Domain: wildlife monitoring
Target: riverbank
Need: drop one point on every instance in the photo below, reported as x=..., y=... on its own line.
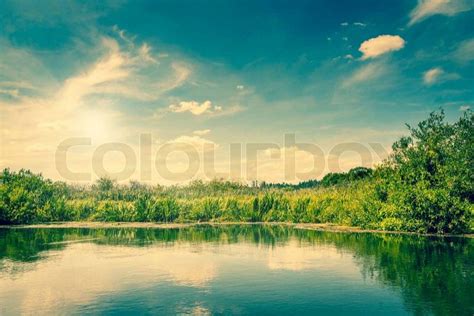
x=329, y=227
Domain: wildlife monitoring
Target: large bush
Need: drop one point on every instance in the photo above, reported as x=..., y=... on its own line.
x=28, y=198
x=429, y=178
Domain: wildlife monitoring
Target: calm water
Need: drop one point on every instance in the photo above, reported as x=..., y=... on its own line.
x=232, y=269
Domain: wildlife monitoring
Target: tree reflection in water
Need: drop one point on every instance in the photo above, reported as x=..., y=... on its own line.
x=438, y=272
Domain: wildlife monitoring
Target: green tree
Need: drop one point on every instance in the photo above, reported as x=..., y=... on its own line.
x=429, y=177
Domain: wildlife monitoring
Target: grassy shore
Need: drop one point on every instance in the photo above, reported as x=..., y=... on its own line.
x=425, y=186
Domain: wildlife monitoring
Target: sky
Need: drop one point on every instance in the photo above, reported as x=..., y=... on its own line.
x=150, y=90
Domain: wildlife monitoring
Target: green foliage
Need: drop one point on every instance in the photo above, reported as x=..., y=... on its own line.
x=105, y=184
x=426, y=185
x=429, y=178
x=354, y=174
x=28, y=198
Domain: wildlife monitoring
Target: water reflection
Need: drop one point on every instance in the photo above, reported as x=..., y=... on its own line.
x=232, y=269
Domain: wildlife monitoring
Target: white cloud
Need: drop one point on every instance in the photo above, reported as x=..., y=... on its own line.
x=344, y=24
x=191, y=106
x=436, y=75
x=195, y=107
x=380, y=45
x=202, y=132
x=240, y=87
x=198, y=109
x=427, y=8
x=464, y=108
x=432, y=75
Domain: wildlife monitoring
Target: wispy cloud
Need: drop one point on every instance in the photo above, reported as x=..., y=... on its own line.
x=199, y=109
x=17, y=85
x=111, y=69
x=365, y=73
x=126, y=72
x=14, y=93
x=465, y=51
x=427, y=8
x=197, y=142
x=182, y=72
x=23, y=70
x=88, y=103
x=228, y=110
x=355, y=24
x=144, y=53
x=202, y=132
x=432, y=75
x=380, y=45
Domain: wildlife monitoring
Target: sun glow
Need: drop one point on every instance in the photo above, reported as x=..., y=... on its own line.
x=95, y=124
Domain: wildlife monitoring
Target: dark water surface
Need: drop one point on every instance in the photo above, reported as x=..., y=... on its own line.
x=238, y=269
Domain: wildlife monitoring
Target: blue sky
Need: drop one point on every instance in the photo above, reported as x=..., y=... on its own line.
x=227, y=72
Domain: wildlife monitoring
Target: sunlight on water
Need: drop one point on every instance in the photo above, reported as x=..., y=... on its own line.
x=231, y=269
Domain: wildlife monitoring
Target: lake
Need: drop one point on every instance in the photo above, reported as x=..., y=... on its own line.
x=232, y=269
